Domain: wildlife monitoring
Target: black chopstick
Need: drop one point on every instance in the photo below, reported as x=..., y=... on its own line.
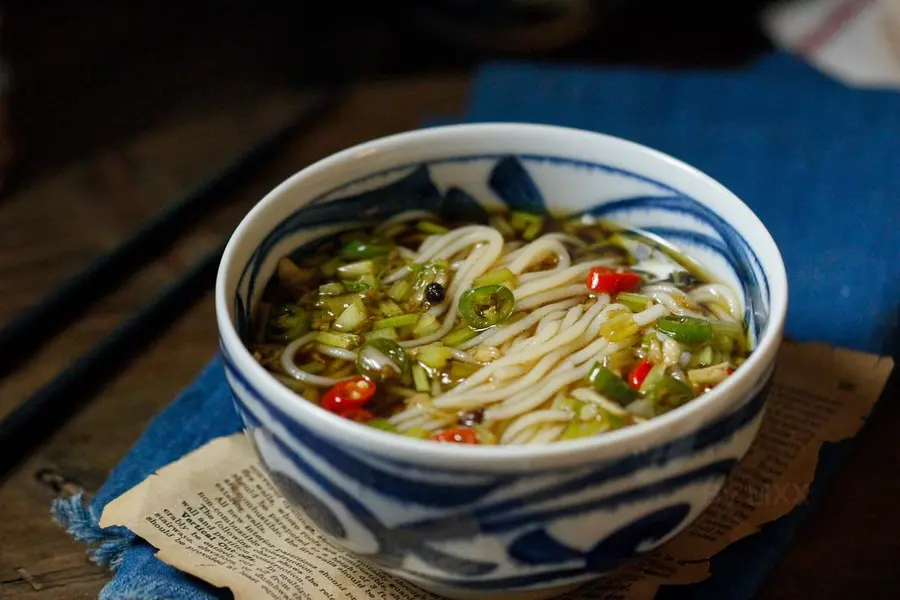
x=36, y=418
x=29, y=331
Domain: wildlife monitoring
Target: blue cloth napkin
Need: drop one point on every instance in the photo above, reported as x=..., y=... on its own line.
x=817, y=161
x=814, y=159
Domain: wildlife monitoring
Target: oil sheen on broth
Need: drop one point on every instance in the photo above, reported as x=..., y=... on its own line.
x=524, y=330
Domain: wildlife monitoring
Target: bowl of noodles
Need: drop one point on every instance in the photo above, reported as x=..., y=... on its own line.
x=500, y=360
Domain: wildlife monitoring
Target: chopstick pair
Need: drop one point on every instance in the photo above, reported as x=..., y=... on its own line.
x=30, y=422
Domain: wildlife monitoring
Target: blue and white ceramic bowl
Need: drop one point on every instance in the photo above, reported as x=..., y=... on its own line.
x=515, y=521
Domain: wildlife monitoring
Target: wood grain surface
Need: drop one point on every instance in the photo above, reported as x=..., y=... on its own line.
x=110, y=195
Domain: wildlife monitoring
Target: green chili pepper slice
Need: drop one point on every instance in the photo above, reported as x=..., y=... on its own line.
x=486, y=305
x=668, y=393
x=381, y=359
x=287, y=323
x=611, y=385
x=358, y=249
x=688, y=330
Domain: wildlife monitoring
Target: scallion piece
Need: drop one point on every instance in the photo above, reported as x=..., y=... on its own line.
x=382, y=424
x=610, y=385
x=356, y=269
x=338, y=340
x=417, y=432
x=332, y=288
x=495, y=277
x=530, y=225
x=389, y=308
x=434, y=357
x=577, y=429
x=329, y=268
x=400, y=290
x=431, y=228
x=426, y=325
x=388, y=333
x=398, y=321
x=420, y=379
x=358, y=249
x=687, y=330
x=353, y=317
x=459, y=336
x=461, y=370
x=635, y=302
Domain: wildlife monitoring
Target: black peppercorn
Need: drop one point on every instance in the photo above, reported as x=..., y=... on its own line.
x=435, y=292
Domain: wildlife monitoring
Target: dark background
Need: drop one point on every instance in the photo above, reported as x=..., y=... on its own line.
x=90, y=74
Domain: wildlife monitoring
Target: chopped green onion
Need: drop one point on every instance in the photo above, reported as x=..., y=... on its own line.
x=730, y=329
x=356, y=269
x=358, y=249
x=332, y=288
x=570, y=404
x=461, y=370
x=634, y=302
x=389, y=308
x=382, y=359
x=712, y=375
x=703, y=358
x=619, y=327
x=688, y=330
x=351, y=319
x=418, y=433
x=577, y=429
x=530, y=225
x=485, y=435
x=459, y=336
x=610, y=385
x=495, y=277
x=400, y=290
x=329, y=269
x=287, y=323
x=420, y=379
x=356, y=286
x=388, y=333
x=653, y=377
x=434, y=356
x=426, y=325
x=382, y=424
x=398, y=321
x=338, y=340
x=502, y=225
x=668, y=393
x=336, y=305
x=431, y=228
x=486, y=305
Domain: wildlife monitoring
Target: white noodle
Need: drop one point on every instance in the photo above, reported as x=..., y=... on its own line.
x=716, y=293
x=533, y=419
x=287, y=363
x=335, y=352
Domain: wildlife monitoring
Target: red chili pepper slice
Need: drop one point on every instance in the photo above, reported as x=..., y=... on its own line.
x=604, y=280
x=348, y=394
x=358, y=415
x=730, y=371
x=462, y=435
x=639, y=373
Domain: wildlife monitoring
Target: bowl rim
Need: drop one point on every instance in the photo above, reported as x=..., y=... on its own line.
x=653, y=432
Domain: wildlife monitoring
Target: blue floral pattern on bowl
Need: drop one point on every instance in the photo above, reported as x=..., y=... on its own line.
x=473, y=534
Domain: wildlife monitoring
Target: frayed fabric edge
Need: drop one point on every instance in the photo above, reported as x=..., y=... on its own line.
x=106, y=547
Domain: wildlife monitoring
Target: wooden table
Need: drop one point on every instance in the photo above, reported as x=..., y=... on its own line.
x=850, y=548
